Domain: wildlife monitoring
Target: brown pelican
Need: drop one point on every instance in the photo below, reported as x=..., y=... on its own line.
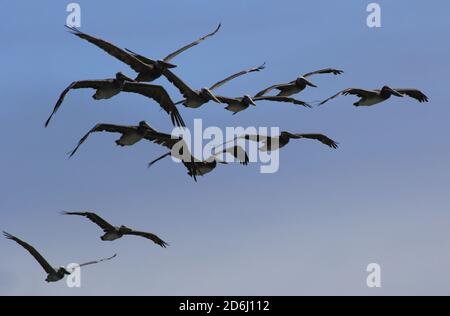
x=276, y=142
x=53, y=274
x=196, y=98
x=236, y=105
x=169, y=57
x=371, y=97
x=147, y=69
x=299, y=84
x=108, y=88
x=113, y=232
x=197, y=167
x=130, y=134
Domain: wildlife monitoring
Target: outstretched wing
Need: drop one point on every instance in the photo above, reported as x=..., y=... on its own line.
x=353, y=91
x=234, y=76
x=414, y=93
x=122, y=55
x=184, y=89
x=320, y=137
x=93, y=218
x=103, y=128
x=182, y=49
x=97, y=261
x=282, y=99
x=47, y=267
x=275, y=86
x=94, y=84
x=162, y=139
x=228, y=100
x=238, y=152
x=324, y=71
x=160, y=95
x=150, y=236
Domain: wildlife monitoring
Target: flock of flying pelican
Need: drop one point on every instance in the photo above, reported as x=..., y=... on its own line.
x=149, y=70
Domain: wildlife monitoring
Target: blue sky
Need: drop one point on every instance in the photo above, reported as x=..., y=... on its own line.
x=311, y=228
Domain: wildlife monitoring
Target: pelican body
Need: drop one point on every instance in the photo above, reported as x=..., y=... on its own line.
x=372, y=97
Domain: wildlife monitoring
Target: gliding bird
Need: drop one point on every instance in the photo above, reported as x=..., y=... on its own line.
x=299, y=84
x=115, y=232
x=371, y=97
x=108, y=88
x=53, y=274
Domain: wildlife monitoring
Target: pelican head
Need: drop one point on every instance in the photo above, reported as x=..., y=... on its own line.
x=163, y=64
x=248, y=100
x=301, y=81
x=390, y=91
x=143, y=124
x=121, y=77
x=205, y=92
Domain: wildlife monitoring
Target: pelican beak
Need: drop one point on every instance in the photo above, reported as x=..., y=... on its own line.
x=166, y=64
x=212, y=96
x=397, y=94
x=124, y=78
x=309, y=83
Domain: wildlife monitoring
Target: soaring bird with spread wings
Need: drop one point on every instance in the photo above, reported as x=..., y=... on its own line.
x=239, y=104
x=147, y=69
x=53, y=274
x=299, y=84
x=108, y=88
x=270, y=143
x=371, y=97
x=115, y=232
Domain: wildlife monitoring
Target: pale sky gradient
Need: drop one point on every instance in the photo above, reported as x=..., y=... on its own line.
x=310, y=228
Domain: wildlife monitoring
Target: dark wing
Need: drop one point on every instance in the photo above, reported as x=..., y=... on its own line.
x=162, y=139
x=275, y=86
x=320, y=137
x=182, y=49
x=144, y=59
x=238, y=74
x=413, y=93
x=93, y=218
x=122, y=55
x=238, y=152
x=353, y=91
x=184, y=89
x=47, y=267
x=227, y=100
x=160, y=95
x=324, y=71
x=97, y=261
x=94, y=84
x=150, y=236
x=103, y=128
x=282, y=99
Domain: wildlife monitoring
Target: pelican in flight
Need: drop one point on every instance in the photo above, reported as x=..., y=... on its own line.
x=271, y=143
x=130, y=134
x=371, y=97
x=147, y=69
x=239, y=104
x=115, y=232
x=299, y=84
x=107, y=88
x=196, y=98
x=198, y=167
x=53, y=274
